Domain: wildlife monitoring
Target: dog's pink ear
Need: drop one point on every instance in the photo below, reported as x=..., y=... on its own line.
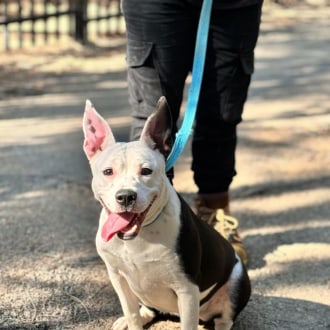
x=158, y=127
x=98, y=134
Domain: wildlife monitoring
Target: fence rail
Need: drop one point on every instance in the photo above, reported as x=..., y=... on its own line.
x=30, y=22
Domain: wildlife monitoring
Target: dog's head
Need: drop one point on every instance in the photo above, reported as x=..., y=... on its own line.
x=129, y=179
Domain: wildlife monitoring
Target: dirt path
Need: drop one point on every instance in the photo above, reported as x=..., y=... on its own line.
x=50, y=274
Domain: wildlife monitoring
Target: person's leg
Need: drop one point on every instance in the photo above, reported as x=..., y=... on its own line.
x=228, y=69
x=160, y=42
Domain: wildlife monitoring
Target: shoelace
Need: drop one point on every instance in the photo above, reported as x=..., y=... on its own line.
x=228, y=222
x=226, y=225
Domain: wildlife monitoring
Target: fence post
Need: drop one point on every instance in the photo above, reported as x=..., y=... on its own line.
x=78, y=26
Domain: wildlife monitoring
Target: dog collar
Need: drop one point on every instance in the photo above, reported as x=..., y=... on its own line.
x=153, y=221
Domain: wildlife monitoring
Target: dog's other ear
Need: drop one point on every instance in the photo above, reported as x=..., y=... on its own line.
x=98, y=134
x=158, y=127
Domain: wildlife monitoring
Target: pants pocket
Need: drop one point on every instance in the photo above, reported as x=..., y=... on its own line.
x=234, y=95
x=143, y=80
x=144, y=86
x=137, y=52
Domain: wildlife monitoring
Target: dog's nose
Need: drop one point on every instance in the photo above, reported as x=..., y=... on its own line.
x=126, y=197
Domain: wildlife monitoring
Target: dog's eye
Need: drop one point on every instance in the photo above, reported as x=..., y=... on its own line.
x=146, y=171
x=108, y=171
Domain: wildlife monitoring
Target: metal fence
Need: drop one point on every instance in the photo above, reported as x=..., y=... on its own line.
x=31, y=22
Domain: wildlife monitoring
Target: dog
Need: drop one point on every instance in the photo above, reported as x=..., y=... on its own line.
x=159, y=256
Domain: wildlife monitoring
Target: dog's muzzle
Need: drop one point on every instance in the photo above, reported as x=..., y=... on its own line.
x=126, y=224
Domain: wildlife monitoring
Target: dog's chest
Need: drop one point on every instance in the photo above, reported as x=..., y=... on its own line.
x=150, y=254
x=154, y=279
x=149, y=263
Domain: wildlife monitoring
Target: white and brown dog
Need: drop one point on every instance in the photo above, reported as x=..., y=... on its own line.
x=159, y=255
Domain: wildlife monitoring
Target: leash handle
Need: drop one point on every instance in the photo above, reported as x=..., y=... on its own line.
x=197, y=75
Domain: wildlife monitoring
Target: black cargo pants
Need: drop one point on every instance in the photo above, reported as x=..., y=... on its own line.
x=160, y=45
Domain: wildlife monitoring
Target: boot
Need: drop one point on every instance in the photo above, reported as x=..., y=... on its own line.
x=214, y=209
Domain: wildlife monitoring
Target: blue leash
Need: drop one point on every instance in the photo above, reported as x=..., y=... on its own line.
x=197, y=74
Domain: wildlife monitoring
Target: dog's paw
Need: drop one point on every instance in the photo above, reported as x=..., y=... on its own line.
x=120, y=324
x=146, y=314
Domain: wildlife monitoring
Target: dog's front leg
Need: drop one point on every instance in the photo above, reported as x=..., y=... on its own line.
x=188, y=304
x=129, y=304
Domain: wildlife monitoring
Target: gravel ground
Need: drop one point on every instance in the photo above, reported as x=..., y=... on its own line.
x=51, y=276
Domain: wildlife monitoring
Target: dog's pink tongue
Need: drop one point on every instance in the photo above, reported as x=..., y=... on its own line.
x=115, y=223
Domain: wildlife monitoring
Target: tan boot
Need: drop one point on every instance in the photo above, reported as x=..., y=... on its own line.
x=214, y=209
x=206, y=204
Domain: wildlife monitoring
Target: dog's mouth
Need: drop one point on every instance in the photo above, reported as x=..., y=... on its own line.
x=125, y=224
